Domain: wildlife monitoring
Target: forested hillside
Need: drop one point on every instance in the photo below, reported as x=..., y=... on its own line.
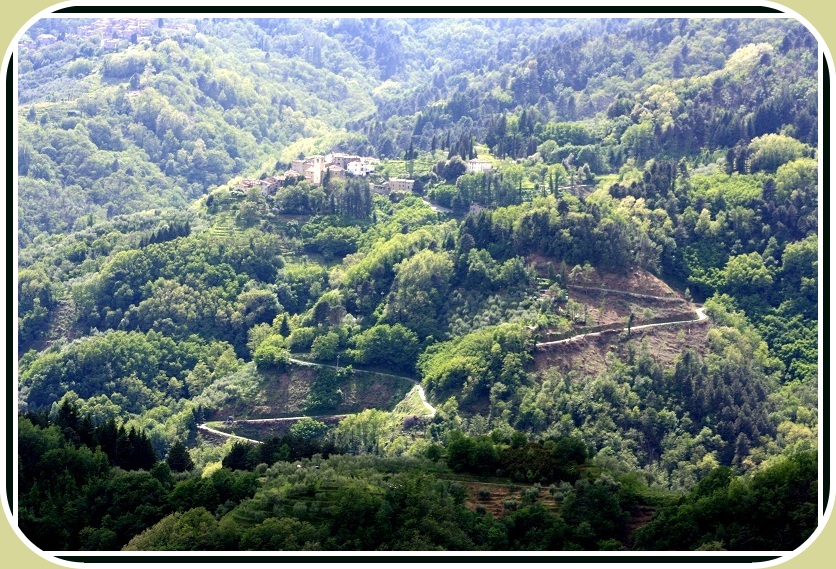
x=590, y=322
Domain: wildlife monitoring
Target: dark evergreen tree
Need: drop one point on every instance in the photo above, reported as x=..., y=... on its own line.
x=178, y=458
x=284, y=327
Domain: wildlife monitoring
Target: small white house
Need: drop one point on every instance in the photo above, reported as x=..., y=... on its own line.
x=360, y=168
x=477, y=165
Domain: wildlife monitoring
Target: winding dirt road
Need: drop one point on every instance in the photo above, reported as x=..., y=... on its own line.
x=206, y=428
x=701, y=315
x=624, y=292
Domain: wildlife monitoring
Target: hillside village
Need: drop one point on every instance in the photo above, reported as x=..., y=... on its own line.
x=111, y=33
x=316, y=169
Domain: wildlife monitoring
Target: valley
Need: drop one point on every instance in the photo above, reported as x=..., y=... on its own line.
x=413, y=284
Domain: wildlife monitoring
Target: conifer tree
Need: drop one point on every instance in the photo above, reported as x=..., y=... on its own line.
x=178, y=458
x=284, y=327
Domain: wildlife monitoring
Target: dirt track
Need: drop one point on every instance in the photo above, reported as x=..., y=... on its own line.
x=701, y=315
x=207, y=429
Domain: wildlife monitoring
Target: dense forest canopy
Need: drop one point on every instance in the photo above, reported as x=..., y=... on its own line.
x=585, y=318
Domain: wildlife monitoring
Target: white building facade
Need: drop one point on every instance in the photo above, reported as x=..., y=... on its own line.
x=476, y=165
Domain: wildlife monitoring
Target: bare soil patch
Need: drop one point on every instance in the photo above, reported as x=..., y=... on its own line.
x=591, y=355
x=637, y=281
x=605, y=308
x=369, y=390
x=286, y=394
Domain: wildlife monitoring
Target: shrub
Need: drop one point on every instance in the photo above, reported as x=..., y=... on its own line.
x=272, y=354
